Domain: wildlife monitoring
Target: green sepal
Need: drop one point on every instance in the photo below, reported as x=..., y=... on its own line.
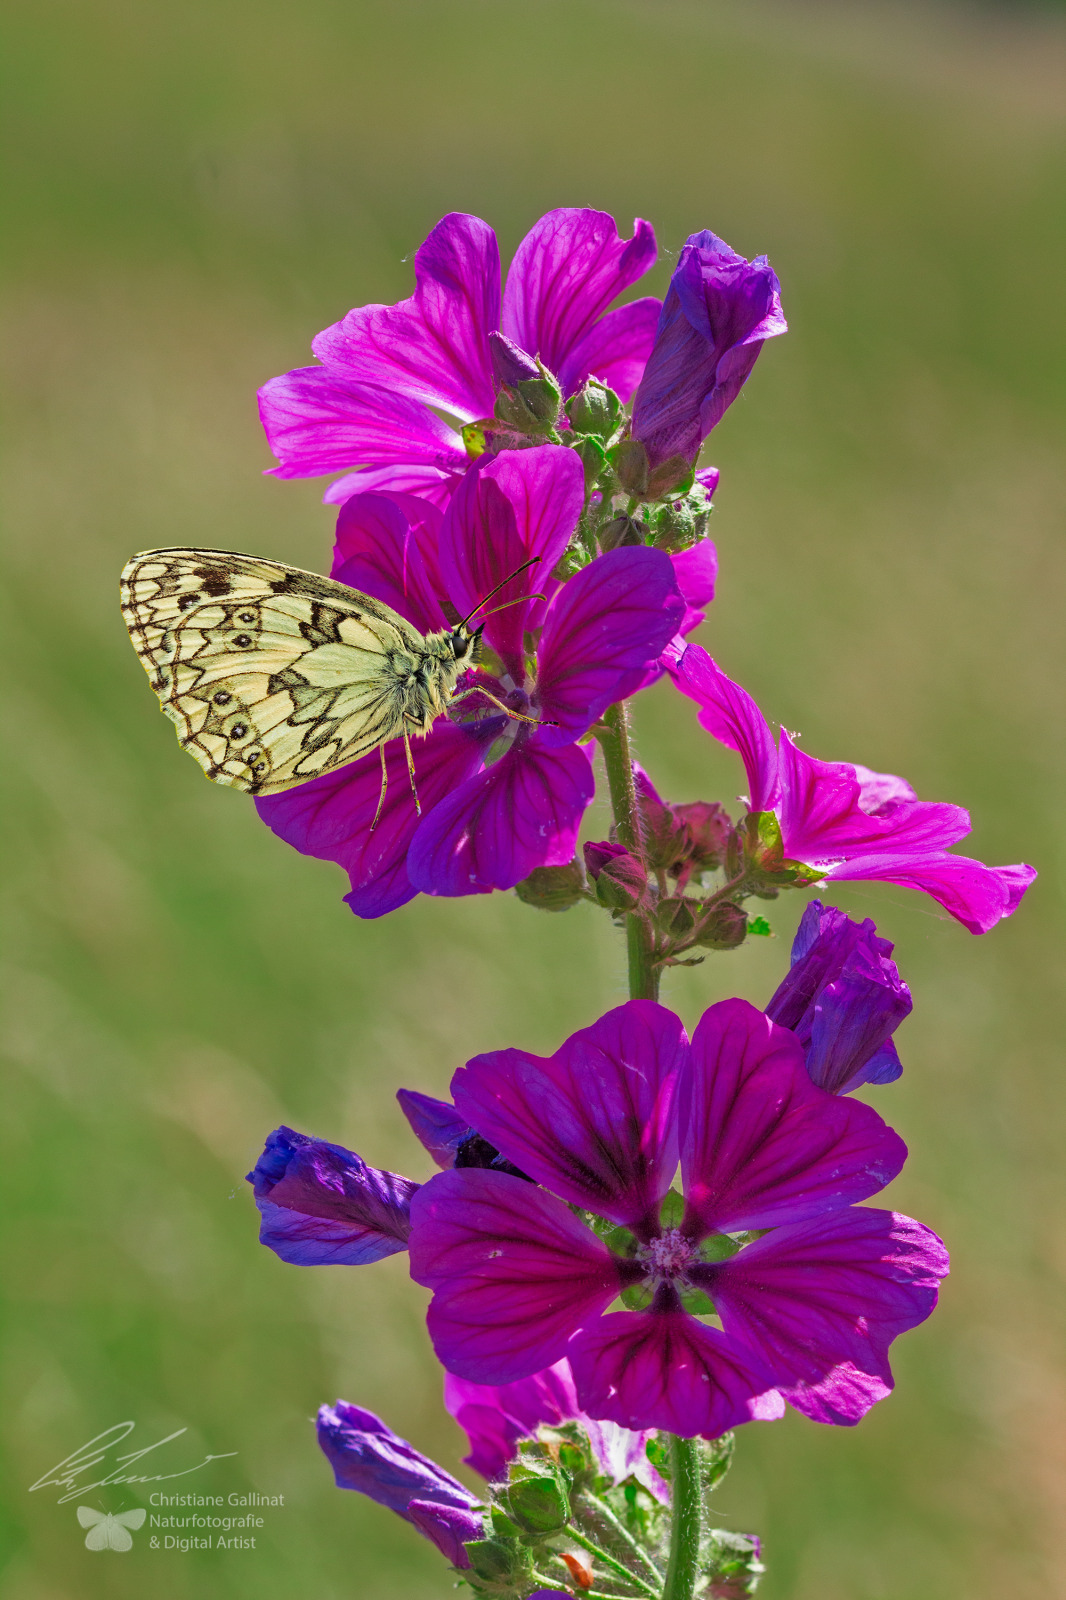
x=499, y=1563
x=672, y=1209
x=621, y=533
x=630, y=462
x=697, y=1302
x=731, y=1563
x=592, y=454
x=718, y=1247
x=716, y=1458
x=674, y=476
x=657, y=1452
x=502, y=1525
x=553, y=888
x=637, y=1297
x=723, y=927
x=539, y=1502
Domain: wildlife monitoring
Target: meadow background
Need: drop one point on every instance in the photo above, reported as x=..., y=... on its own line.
x=193, y=191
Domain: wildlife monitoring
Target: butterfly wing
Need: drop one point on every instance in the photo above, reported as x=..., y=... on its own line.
x=99, y=1526
x=117, y=1537
x=130, y=1519
x=89, y=1518
x=272, y=675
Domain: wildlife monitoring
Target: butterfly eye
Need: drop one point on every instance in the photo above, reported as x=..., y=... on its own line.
x=186, y=601
x=222, y=698
x=246, y=616
x=242, y=641
x=239, y=730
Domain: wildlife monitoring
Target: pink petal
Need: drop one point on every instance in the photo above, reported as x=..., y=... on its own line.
x=761, y=1144
x=596, y=1122
x=663, y=1369
x=491, y=831
x=330, y=817
x=696, y=572
x=317, y=420
x=495, y=1416
x=822, y=818
x=976, y=895
x=508, y=508
x=565, y=273
x=434, y=346
x=730, y=714
x=615, y=350
x=378, y=552
x=514, y=1272
x=819, y=1304
x=605, y=630
x=429, y=483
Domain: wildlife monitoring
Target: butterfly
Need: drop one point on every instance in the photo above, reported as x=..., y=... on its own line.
x=274, y=675
x=108, y=1530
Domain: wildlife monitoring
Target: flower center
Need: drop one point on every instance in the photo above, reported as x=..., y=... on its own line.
x=669, y=1255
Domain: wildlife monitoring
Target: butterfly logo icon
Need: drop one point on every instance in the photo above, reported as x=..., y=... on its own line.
x=109, y=1530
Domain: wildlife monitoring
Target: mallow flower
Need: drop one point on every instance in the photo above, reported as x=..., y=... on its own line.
x=807, y=1310
x=387, y=370
x=843, y=820
x=843, y=998
x=718, y=312
x=368, y=1457
x=496, y=797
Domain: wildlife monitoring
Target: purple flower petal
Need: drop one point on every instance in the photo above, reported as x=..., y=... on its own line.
x=428, y=483
x=491, y=831
x=842, y=998
x=696, y=573
x=565, y=273
x=323, y=1205
x=663, y=1369
x=435, y=1123
x=819, y=1304
x=731, y=716
x=367, y=1456
x=718, y=311
x=495, y=1416
x=597, y=1122
x=615, y=350
x=378, y=551
x=508, y=508
x=448, y=1527
x=434, y=346
x=760, y=1144
x=823, y=816
x=605, y=628
x=318, y=420
x=331, y=816
x=514, y=1273
x=978, y=896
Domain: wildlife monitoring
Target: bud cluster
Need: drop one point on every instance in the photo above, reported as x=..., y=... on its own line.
x=559, y=1523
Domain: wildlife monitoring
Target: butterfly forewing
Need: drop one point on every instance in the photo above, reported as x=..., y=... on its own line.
x=273, y=675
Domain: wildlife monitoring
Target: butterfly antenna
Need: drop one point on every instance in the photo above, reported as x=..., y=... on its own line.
x=502, y=585
x=518, y=602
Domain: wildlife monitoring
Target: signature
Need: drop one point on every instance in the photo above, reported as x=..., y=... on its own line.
x=69, y=1474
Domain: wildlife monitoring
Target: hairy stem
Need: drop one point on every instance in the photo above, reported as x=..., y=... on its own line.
x=608, y=1560
x=618, y=760
x=687, y=1506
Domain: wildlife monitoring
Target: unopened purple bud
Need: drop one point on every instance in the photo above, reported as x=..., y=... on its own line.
x=448, y=1527
x=435, y=1124
x=621, y=880
x=510, y=363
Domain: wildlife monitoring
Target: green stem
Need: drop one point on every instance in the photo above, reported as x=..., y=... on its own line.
x=609, y=1561
x=686, y=1498
x=618, y=760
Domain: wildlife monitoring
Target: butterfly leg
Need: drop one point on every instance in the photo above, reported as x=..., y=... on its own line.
x=516, y=716
x=384, y=788
x=411, y=763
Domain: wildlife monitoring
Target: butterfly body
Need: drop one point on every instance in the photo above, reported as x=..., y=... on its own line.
x=273, y=675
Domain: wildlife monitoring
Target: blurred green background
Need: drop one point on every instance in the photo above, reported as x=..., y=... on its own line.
x=193, y=192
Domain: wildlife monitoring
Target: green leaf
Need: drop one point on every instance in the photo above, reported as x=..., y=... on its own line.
x=760, y=928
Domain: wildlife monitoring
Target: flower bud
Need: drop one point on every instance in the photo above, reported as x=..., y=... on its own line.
x=529, y=397
x=706, y=829
x=539, y=1504
x=676, y=917
x=553, y=888
x=594, y=409
x=621, y=881
x=497, y=1563
x=732, y=1564
x=622, y=531
x=630, y=462
x=593, y=457
x=723, y=928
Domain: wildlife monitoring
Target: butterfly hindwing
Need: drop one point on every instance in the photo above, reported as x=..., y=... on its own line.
x=109, y=1530
x=271, y=675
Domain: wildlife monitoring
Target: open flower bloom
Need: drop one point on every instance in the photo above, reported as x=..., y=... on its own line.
x=496, y=1416
x=807, y=1312
x=718, y=312
x=499, y=797
x=384, y=367
x=845, y=821
x=843, y=998
x=368, y=1457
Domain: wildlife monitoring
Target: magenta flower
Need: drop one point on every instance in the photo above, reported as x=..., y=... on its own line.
x=718, y=311
x=384, y=367
x=845, y=821
x=498, y=797
x=807, y=1312
x=368, y=1457
x=496, y=1416
x=843, y=998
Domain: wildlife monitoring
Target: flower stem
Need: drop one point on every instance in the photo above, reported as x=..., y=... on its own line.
x=618, y=760
x=687, y=1507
